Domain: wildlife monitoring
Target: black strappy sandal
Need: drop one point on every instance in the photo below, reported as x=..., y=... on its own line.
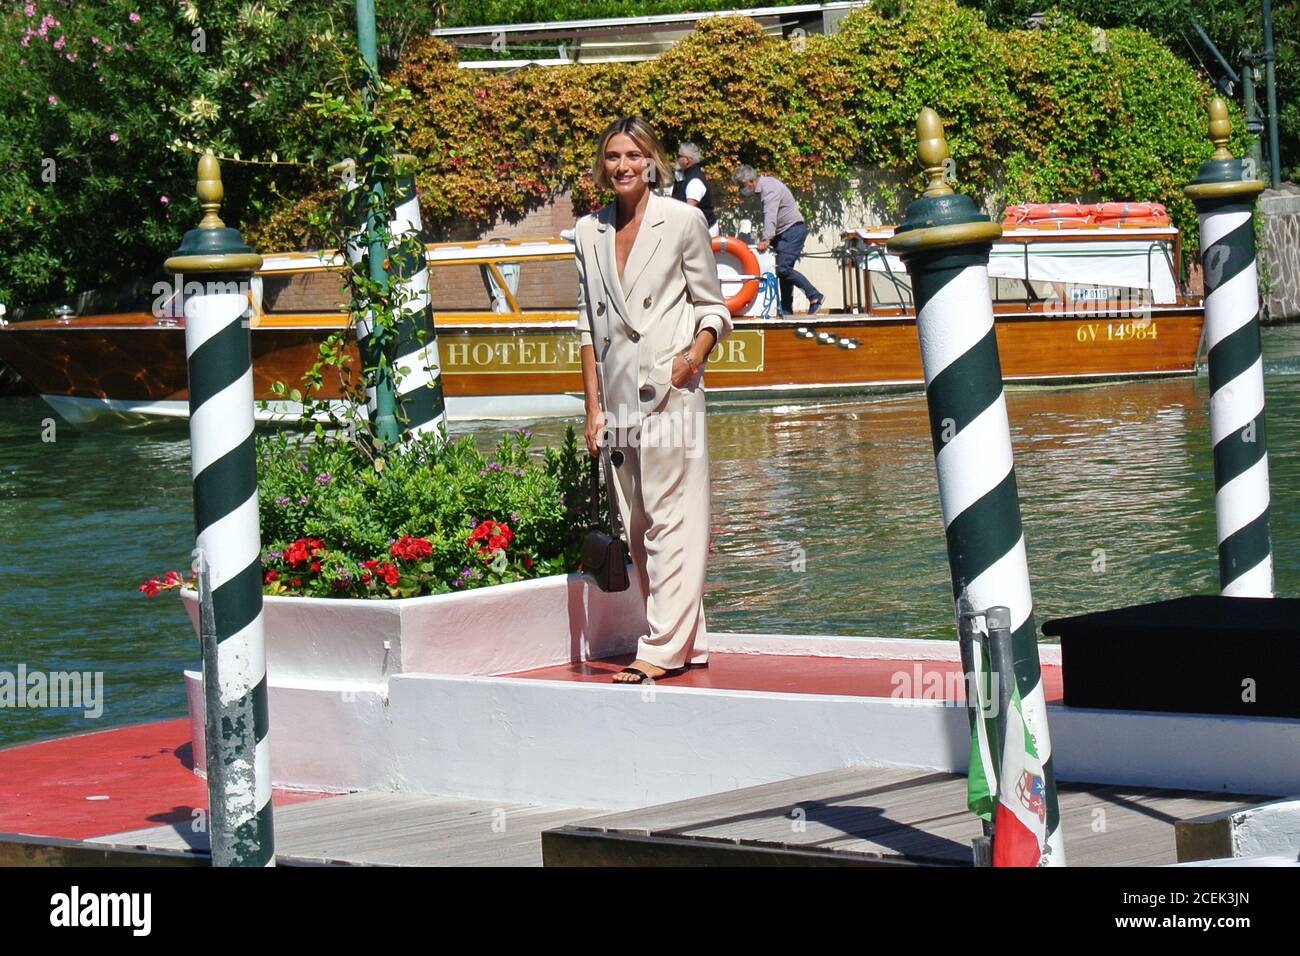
x=642, y=676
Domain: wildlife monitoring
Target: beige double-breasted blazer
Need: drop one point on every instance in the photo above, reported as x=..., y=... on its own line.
x=639, y=324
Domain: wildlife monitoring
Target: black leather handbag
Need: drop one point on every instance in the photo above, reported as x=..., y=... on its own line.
x=604, y=552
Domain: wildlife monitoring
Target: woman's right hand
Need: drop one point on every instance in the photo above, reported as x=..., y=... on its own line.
x=595, y=428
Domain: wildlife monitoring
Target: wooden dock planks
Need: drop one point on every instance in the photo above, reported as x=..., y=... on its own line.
x=877, y=815
x=393, y=829
x=858, y=816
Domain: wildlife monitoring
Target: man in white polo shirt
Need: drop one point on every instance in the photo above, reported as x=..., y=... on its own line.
x=691, y=187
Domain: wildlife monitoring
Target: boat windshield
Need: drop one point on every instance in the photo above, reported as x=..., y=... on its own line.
x=475, y=281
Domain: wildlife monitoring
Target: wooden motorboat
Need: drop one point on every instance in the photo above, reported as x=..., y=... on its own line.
x=1072, y=302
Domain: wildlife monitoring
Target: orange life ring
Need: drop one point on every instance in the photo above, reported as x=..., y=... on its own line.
x=1135, y=222
x=1129, y=210
x=739, y=302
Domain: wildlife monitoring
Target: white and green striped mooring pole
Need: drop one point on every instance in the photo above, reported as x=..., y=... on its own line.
x=419, y=387
x=1224, y=192
x=224, y=468
x=944, y=243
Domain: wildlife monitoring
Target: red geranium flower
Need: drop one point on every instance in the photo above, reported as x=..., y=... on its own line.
x=490, y=536
x=304, y=549
x=410, y=548
x=270, y=576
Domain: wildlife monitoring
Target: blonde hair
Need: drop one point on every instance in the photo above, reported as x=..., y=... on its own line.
x=640, y=133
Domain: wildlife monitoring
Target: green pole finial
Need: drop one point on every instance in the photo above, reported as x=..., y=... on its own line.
x=932, y=146
x=1222, y=177
x=212, y=246
x=940, y=217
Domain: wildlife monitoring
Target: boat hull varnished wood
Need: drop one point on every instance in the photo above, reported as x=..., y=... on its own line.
x=131, y=367
x=514, y=353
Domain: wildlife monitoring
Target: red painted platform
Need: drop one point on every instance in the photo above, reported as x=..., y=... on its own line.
x=145, y=772
x=782, y=673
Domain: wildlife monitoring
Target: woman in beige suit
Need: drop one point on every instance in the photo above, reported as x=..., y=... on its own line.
x=650, y=308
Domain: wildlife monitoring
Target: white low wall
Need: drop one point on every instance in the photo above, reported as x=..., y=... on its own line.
x=603, y=746
x=493, y=630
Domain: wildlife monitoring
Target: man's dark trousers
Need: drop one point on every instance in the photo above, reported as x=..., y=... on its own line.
x=788, y=247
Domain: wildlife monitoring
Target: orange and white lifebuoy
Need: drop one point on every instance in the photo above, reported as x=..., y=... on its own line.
x=1056, y=215
x=739, y=302
x=1129, y=210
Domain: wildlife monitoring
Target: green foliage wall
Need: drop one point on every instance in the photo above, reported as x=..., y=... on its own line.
x=1233, y=25
x=1032, y=115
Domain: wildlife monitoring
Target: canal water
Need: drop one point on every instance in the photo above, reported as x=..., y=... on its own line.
x=826, y=520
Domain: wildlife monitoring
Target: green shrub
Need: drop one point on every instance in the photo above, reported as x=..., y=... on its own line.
x=104, y=107
x=1032, y=116
x=326, y=509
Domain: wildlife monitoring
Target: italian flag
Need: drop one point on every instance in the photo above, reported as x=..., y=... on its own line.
x=1020, y=823
x=1017, y=806
x=982, y=778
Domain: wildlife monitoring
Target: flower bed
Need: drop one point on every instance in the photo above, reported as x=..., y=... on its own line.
x=423, y=519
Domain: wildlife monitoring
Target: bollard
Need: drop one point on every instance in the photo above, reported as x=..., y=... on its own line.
x=944, y=243
x=1225, y=202
x=229, y=548
x=419, y=387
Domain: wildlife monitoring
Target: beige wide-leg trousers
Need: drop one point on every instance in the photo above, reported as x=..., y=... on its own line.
x=663, y=497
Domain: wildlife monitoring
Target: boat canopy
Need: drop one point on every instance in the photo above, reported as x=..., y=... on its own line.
x=1139, y=259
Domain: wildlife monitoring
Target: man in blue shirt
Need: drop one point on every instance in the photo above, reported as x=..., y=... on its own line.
x=785, y=231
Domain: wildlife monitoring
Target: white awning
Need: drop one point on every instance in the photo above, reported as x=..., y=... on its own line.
x=1128, y=263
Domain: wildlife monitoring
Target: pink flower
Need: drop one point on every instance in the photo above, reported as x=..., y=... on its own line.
x=95, y=40
x=72, y=57
x=134, y=17
x=52, y=100
x=49, y=21
x=43, y=30
x=112, y=137
x=27, y=39
x=58, y=44
x=129, y=48
x=30, y=9
x=163, y=199
x=107, y=48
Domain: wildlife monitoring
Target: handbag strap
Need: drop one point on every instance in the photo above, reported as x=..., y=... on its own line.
x=615, y=524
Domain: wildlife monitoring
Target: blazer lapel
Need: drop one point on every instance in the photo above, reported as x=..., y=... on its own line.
x=605, y=258
x=643, y=248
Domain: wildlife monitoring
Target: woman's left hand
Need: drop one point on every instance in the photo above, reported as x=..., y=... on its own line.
x=681, y=371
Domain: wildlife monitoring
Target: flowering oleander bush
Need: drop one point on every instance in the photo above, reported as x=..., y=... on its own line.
x=419, y=520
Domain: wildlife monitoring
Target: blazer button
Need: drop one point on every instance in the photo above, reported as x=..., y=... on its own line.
x=646, y=303
x=600, y=308
x=646, y=392
x=635, y=336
